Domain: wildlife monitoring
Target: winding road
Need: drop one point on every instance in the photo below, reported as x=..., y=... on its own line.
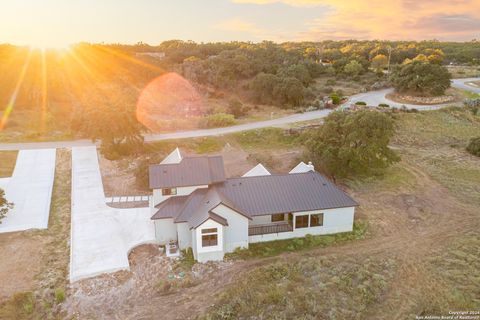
x=371, y=98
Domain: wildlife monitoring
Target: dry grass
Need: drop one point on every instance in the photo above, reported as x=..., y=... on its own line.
x=43, y=301
x=7, y=163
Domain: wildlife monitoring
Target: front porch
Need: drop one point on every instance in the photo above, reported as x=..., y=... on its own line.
x=270, y=228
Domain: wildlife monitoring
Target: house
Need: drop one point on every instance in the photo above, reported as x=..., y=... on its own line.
x=195, y=205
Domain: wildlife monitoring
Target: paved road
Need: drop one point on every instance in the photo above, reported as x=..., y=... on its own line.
x=371, y=98
x=464, y=84
x=30, y=189
x=101, y=237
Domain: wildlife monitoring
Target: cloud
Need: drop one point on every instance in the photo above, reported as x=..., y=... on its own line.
x=379, y=19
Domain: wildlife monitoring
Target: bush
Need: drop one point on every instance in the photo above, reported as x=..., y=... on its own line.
x=331, y=82
x=384, y=105
x=59, y=295
x=360, y=103
x=474, y=146
x=236, y=108
x=335, y=98
x=218, y=120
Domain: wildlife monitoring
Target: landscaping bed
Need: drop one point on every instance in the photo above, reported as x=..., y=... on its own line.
x=410, y=99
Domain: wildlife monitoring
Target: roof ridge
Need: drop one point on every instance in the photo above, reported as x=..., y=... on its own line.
x=276, y=175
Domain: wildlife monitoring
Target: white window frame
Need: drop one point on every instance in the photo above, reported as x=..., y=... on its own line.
x=209, y=234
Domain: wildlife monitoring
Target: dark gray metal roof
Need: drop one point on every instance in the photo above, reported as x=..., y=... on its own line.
x=260, y=195
x=284, y=193
x=169, y=208
x=191, y=171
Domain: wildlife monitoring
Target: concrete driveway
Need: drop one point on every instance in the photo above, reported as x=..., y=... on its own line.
x=30, y=189
x=101, y=236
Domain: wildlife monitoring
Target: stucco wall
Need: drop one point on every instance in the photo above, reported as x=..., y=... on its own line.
x=184, y=235
x=334, y=221
x=209, y=253
x=236, y=233
x=165, y=230
x=181, y=191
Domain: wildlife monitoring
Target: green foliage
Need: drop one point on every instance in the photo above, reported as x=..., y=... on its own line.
x=273, y=89
x=59, y=295
x=360, y=103
x=335, y=98
x=236, y=108
x=218, y=120
x=474, y=146
x=274, y=248
x=5, y=206
x=421, y=78
x=353, y=144
x=353, y=68
x=384, y=105
x=186, y=261
x=379, y=62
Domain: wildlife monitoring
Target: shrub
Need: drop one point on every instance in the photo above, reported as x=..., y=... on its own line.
x=59, y=295
x=384, y=105
x=218, y=120
x=236, y=108
x=335, y=98
x=360, y=103
x=331, y=82
x=474, y=146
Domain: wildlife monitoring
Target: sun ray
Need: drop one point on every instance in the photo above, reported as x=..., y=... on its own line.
x=11, y=103
x=44, y=90
x=132, y=59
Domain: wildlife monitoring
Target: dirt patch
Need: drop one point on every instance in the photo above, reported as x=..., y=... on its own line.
x=141, y=294
x=22, y=256
x=7, y=163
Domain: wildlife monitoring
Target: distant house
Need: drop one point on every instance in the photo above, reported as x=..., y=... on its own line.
x=195, y=205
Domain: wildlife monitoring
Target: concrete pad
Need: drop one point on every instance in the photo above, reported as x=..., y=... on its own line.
x=30, y=189
x=101, y=237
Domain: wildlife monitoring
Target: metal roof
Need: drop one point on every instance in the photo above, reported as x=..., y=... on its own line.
x=191, y=171
x=263, y=195
x=260, y=195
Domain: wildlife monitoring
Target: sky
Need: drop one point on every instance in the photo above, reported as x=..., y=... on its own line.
x=57, y=23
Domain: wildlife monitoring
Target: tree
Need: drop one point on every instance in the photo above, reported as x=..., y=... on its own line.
x=353, y=144
x=421, y=78
x=353, y=68
x=5, y=206
x=379, y=62
x=236, y=108
x=474, y=146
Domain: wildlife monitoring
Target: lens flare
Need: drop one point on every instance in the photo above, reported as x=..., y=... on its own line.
x=168, y=97
x=11, y=103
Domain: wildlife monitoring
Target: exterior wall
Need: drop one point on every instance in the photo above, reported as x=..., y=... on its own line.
x=267, y=219
x=165, y=230
x=184, y=235
x=181, y=191
x=334, y=221
x=209, y=253
x=236, y=233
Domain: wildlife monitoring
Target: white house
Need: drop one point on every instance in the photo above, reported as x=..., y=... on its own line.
x=195, y=205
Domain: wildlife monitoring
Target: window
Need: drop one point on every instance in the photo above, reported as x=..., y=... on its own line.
x=209, y=237
x=301, y=222
x=169, y=192
x=278, y=217
x=316, y=220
